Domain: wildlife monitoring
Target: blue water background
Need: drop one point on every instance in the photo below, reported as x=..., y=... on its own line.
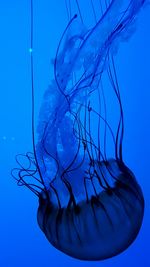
x=22, y=244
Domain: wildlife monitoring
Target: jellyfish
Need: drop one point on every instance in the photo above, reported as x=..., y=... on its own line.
x=90, y=204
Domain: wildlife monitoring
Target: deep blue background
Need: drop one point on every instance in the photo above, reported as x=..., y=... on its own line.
x=21, y=241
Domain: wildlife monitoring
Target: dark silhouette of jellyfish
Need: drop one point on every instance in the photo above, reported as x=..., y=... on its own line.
x=90, y=204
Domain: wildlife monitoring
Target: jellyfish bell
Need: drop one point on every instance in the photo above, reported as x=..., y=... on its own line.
x=103, y=225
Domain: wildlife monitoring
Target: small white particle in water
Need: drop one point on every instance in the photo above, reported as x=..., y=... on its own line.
x=30, y=50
